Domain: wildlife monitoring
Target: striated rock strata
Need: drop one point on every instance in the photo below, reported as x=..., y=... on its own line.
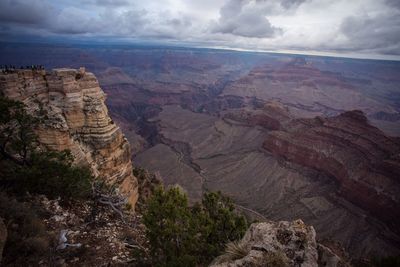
x=280, y=244
x=71, y=103
x=359, y=157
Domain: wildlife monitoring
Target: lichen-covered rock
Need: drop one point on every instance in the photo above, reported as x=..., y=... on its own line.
x=3, y=237
x=71, y=105
x=276, y=244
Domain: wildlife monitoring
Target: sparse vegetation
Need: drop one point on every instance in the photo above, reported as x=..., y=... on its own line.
x=234, y=250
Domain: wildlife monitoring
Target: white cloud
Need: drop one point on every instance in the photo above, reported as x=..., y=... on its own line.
x=246, y=19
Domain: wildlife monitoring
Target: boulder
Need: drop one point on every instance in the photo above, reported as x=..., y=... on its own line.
x=278, y=244
x=274, y=244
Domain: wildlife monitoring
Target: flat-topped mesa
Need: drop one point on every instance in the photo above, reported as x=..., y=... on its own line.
x=71, y=104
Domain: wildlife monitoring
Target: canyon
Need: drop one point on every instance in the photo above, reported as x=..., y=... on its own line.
x=286, y=136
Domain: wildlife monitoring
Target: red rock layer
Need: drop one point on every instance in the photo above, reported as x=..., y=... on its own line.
x=364, y=162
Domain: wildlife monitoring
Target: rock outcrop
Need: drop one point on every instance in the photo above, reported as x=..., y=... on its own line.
x=279, y=244
x=71, y=105
x=359, y=157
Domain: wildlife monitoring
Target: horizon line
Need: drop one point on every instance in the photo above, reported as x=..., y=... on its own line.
x=357, y=56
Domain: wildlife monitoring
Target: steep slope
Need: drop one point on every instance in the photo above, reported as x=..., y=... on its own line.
x=71, y=105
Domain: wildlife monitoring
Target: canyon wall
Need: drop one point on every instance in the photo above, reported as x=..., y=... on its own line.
x=71, y=105
x=359, y=157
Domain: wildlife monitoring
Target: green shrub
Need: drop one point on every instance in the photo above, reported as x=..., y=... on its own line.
x=52, y=174
x=169, y=228
x=180, y=235
x=219, y=223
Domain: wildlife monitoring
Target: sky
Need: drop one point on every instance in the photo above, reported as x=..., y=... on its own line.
x=358, y=28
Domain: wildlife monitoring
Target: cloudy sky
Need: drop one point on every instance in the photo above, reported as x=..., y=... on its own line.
x=370, y=28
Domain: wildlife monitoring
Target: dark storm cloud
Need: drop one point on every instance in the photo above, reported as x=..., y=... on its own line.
x=32, y=12
x=246, y=19
x=393, y=3
x=74, y=21
x=380, y=34
x=357, y=26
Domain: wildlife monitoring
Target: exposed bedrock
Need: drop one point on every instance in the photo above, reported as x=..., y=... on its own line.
x=280, y=244
x=362, y=160
x=77, y=119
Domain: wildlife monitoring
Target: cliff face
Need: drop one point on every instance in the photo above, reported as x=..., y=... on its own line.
x=71, y=103
x=360, y=158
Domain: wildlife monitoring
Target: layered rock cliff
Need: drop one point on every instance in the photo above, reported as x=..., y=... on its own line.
x=359, y=157
x=71, y=104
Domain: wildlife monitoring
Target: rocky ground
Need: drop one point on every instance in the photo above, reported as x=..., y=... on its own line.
x=81, y=240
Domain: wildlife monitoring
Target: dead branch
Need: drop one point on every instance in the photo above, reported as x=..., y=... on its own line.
x=111, y=199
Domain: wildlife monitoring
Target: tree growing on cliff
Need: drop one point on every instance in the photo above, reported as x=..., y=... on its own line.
x=17, y=138
x=181, y=235
x=27, y=167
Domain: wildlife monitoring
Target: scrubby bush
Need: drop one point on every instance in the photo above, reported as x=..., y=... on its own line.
x=180, y=235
